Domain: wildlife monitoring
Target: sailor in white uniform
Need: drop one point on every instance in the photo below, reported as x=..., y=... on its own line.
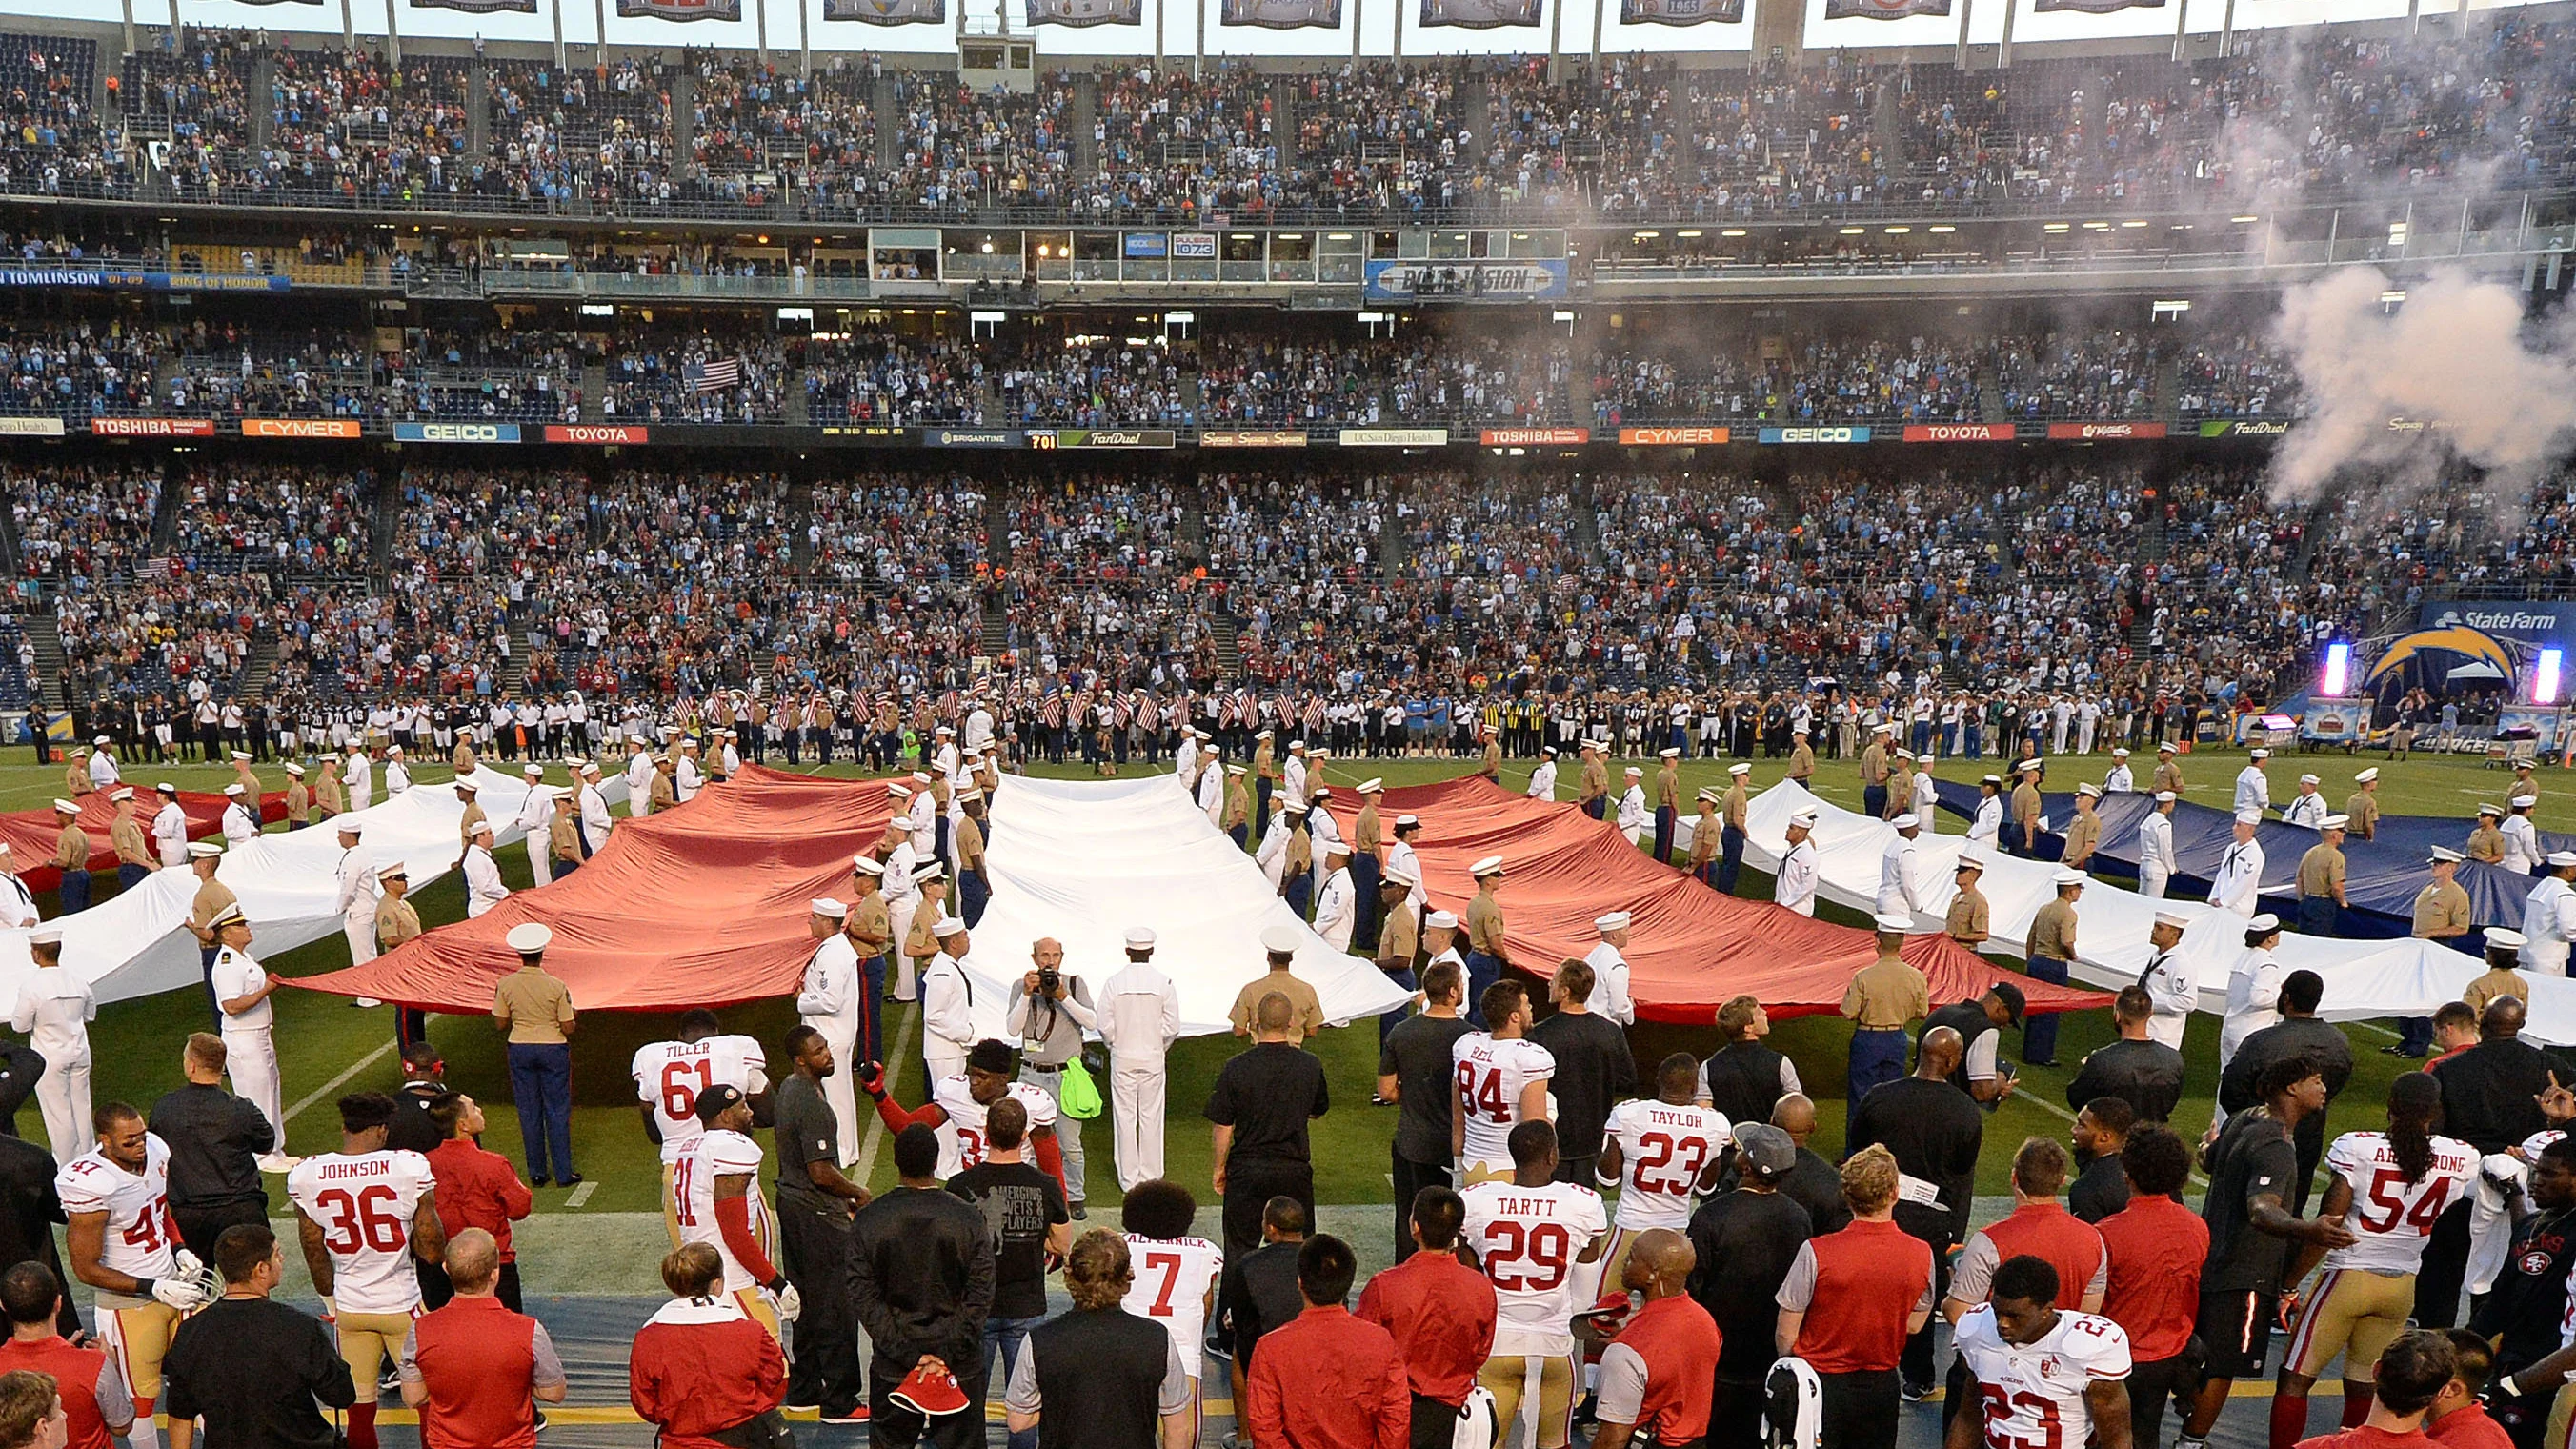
x=1139, y=1017
x=2253, y=787
x=2156, y=847
x=1794, y=885
x=2549, y=917
x=2239, y=882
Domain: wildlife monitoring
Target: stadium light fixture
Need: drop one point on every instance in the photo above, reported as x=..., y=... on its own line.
x=1898, y=230
x=2097, y=226
x=2544, y=680
x=2056, y=228
x=1732, y=231
x=1854, y=230
x=1692, y=234
x=2338, y=671
x=1943, y=230
x=1644, y=235
x=2244, y=220
x=2127, y=224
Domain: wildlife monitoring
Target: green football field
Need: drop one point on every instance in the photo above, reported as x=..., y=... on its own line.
x=328, y=1047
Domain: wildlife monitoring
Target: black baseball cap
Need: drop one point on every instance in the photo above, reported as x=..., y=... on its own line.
x=715, y=1101
x=2012, y=998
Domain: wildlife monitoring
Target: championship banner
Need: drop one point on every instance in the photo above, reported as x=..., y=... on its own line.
x=1282, y=14
x=1532, y=437
x=2243, y=428
x=1883, y=9
x=1081, y=13
x=1530, y=281
x=888, y=12
x=456, y=432
x=1252, y=438
x=477, y=7
x=31, y=427
x=2095, y=7
x=1680, y=12
x=1814, y=435
x=1479, y=14
x=152, y=427
x=682, y=10
x=596, y=433
x=2091, y=431
x=1395, y=437
x=1052, y=438
x=1958, y=432
x=1684, y=437
x=299, y=427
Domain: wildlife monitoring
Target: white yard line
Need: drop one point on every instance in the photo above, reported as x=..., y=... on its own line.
x=867, y=1162
x=582, y=1193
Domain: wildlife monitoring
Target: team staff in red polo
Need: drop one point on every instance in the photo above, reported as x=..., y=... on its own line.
x=1441, y=1314
x=477, y=1188
x=2156, y=1247
x=702, y=1366
x=95, y=1403
x=1852, y=1298
x=1324, y=1379
x=1660, y=1374
x=475, y=1368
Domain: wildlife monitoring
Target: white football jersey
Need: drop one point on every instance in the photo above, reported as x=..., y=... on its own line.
x=141, y=1234
x=1528, y=1239
x=2034, y=1393
x=1489, y=1077
x=961, y=1138
x=1662, y=1149
x=669, y=1075
x=364, y=1204
x=1173, y=1276
x=722, y=1153
x=2391, y=1218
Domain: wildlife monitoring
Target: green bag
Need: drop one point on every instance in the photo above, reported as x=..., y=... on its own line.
x=1080, y=1097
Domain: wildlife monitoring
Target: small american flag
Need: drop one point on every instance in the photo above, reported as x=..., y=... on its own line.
x=716, y=376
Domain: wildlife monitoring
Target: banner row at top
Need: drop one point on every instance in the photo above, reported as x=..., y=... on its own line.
x=1273, y=14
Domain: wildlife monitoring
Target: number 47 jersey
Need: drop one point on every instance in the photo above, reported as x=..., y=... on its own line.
x=2392, y=1219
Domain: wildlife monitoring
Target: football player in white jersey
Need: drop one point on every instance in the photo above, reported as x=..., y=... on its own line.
x=957, y=1104
x=2387, y=1188
x=363, y=1214
x=125, y=1245
x=670, y=1076
x=2044, y=1377
x=1539, y=1241
x=721, y=1206
x=1176, y=1273
x=1661, y=1155
x=1500, y=1079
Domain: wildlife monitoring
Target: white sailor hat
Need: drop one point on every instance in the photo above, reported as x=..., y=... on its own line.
x=203, y=850
x=1442, y=920
x=1337, y=846
x=1374, y=784
x=530, y=937
x=2444, y=855
x=65, y=807
x=295, y=769
x=2366, y=776
x=533, y=770
x=1614, y=921
x=2249, y=817
x=393, y=871
x=1967, y=861
x=1739, y=768
x=2334, y=822
x=1296, y=747
x=2506, y=938
x=1261, y=734
x=634, y=739
x=829, y=908
x=1708, y=796
x=2560, y=859
x=1906, y=821
x=393, y=749
x=1803, y=815
x=900, y=789
x=466, y=782
x=165, y=787
x=1587, y=744
x=2087, y=787
x=2175, y=919
x=1991, y=780
x=921, y=777
x=234, y=789
x=1893, y=924
x=2258, y=753
x=865, y=864
x=1398, y=875
x=2027, y=765
x=1281, y=939
x=99, y=740
x=2069, y=876
x=1637, y=772
x=1669, y=752
x=2309, y=780
x=483, y=827
x=1140, y=935
x=2166, y=797
x=1234, y=769
x=1402, y=821
x=1548, y=750
x=45, y=935
x=2264, y=922
x=925, y=874
x=122, y=792
x=1323, y=792
x=2167, y=748
x=1490, y=865
x=2523, y=802
x=2120, y=753
x=965, y=796
x=942, y=730
x=1320, y=753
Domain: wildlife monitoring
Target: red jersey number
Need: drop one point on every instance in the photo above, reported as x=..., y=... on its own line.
x=681, y=1084
x=1481, y=1092
x=1659, y=1151
x=2000, y=1407
x=360, y=1220
x=2385, y=1204
x=1546, y=1248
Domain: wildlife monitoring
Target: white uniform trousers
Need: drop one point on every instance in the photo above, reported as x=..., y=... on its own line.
x=541, y=857
x=943, y=1057
x=2151, y=882
x=2544, y=957
x=361, y=931
x=251, y=1058
x=838, y=1093
x=1136, y=1110
x=900, y=916
x=359, y=795
x=2491, y=1219
x=63, y=1095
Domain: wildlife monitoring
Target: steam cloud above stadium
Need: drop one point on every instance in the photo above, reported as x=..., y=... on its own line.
x=2469, y=376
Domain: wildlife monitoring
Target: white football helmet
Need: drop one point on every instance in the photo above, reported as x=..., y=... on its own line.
x=191, y=1287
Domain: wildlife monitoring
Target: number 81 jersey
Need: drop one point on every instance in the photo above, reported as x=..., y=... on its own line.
x=2392, y=1219
x=364, y=1204
x=1528, y=1239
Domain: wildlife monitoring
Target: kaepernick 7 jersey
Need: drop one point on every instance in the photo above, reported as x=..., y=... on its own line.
x=669, y=1075
x=142, y=1237
x=1489, y=1076
x=2033, y=1393
x=364, y=1204
x=1173, y=1276
x=722, y=1153
x=2391, y=1218
x=961, y=1137
x=1663, y=1148
x=1529, y=1240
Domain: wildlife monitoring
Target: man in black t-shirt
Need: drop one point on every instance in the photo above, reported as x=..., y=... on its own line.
x=1594, y=1068
x=1746, y=1241
x=2101, y=1129
x=2528, y=1305
x=1259, y=1293
x=815, y=1204
x=1263, y=1098
x=1414, y=1070
x=2253, y=1166
x=1029, y=1218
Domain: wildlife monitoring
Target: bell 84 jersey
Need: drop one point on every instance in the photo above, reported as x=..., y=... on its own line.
x=2033, y=1393
x=1662, y=1149
x=364, y=1204
x=722, y=1153
x=2391, y=1218
x=1173, y=1276
x=1489, y=1075
x=961, y=1138
x=1528, y=1239
x=142, y=1237
x=669, y=1075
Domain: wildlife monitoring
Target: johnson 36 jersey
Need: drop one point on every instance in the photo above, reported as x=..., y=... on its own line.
x=364, y=1204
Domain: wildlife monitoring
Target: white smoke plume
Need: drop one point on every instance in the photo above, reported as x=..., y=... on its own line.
x=2472, y=379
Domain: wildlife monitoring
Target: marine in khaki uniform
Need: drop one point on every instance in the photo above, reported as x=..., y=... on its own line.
x=2046, y=955
x=2504, y=951
x=1493, y=766
x=72, y=848
x=396, y=921
x=1884, y=999
x=2442, y=907
x=1968, y=923
x=665, y=789
x=299, y=799
x=1487, y=958
x=2084, y=832
x=1900, y=786
x=76, y=780
x=2021, y=822
x=473, y=814
x=566, y=831
x=2362, y=809
x=329, y=794
x=134, y=857
x=2168, y=774
x=1307, y=1010
x=966, y=838
x=2486, y=842
x=1802, y=760
x=1594, y=792
x=1873, y=774
x=1237, y=820
x=462, y=757
x=2321, y=874
x=1704, y=836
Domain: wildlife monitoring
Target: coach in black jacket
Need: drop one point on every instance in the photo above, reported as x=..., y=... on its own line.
x=921, y=1284
x=2297, y=1034
x=2137, y=1068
